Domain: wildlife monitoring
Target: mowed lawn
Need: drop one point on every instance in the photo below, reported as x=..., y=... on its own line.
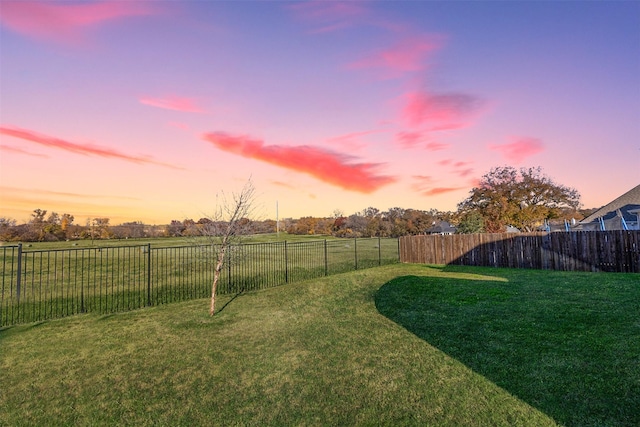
x=394, y=345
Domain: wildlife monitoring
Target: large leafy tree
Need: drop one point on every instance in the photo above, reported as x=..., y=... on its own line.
x=523, y=198
x=470, y=222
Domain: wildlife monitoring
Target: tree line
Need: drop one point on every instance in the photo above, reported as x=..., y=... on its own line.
x=505, y=196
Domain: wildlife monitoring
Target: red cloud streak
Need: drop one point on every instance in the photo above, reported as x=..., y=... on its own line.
x=84, y=149
x=519, y=149
x=325, y=165
x=62, y=22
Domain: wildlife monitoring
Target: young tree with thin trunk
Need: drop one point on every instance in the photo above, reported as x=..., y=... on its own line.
x=225, y=230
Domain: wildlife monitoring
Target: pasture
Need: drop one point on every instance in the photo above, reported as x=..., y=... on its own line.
x=395, y=345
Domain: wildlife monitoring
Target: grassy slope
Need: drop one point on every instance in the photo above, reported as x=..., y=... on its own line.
x=312, y=353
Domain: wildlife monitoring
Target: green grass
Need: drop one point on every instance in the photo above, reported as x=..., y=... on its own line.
x=566, y=343
x=396, y=345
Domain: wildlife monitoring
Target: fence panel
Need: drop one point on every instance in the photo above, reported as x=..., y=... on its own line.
x=38, y=285
x=616, y=250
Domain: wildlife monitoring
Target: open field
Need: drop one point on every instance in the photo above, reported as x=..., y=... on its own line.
x=163, y=242
x=395, y=345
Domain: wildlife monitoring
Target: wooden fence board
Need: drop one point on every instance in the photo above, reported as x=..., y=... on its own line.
x=616, y=250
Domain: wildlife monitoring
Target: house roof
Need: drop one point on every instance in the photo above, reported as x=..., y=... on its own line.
x=629, y=201
x=441, y=227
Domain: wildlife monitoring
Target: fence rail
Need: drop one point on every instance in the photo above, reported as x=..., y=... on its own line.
x=46, y=284
x=615, y=251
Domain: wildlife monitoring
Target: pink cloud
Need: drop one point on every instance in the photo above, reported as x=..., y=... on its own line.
x=351, y=140
x=460, y=168
x=519, y=149
x=188, y=105
x=463, y=172
x=11, y=149
x=436, y=146
x=441, y=190
x=440, y=111
x=330, y=167
x=411, y=139
x=83, y=149
x=407, y=56
x=424, y=186
x=329, y=16
x=64, y=22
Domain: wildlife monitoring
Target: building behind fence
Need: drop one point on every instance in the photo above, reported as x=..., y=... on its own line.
x=614, y=251
x=46, y=284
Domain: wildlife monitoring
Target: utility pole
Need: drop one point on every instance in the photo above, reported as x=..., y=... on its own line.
x=277, y=222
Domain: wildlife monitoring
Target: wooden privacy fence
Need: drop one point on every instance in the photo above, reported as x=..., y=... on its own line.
x=616, y=251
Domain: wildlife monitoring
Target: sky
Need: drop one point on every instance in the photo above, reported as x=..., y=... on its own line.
x=153, y=110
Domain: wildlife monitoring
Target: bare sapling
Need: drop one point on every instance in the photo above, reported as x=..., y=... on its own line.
x=227, y=226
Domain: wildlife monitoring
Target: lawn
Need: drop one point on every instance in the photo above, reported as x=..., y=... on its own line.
x=395, y=345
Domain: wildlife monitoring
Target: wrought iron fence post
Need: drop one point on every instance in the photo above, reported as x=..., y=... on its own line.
x=19, y=275
x=326, y=259
x=148, y=274
x=286, y=263
x=355, y=250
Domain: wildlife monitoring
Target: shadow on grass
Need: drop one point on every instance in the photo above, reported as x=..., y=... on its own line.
x=230, y=301
x=571, y=351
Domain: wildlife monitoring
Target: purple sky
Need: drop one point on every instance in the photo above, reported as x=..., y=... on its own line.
x=145, y=110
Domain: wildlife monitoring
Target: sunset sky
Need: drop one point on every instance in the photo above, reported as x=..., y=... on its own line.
x=145, y=110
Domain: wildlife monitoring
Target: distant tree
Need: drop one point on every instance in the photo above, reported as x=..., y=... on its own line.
x=266, y=226
x=175, y=228
x=66, y=221
x=36, y=226
x=7, y=228
x=417, y=221
x=394, y=217
x=523, y=198
x=37, y=217
x=355, y=226
x=371, y=212
x=338, y=225
x=97, y=228
x=470, y=222
x=190, y=228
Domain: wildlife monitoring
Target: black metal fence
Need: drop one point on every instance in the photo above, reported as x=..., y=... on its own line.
x=46, y=284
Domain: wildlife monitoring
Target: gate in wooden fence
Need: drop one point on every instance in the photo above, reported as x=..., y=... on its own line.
x=616, y=251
